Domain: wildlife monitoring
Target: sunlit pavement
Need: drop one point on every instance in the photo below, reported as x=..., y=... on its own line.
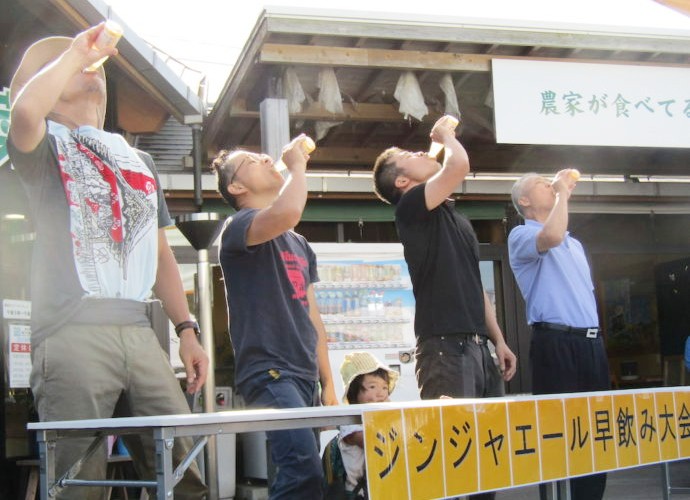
x=640, y=483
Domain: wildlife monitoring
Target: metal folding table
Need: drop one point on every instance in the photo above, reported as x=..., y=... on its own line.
x=165, y=429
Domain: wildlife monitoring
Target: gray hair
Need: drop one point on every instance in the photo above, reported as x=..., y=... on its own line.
x=519, y=189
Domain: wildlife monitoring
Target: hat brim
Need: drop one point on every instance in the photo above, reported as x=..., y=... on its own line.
x=36, y=57
x=393, y=377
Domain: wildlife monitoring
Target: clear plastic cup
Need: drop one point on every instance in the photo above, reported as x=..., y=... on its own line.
x=307, y=144
x=111, y=34
x=436, y=147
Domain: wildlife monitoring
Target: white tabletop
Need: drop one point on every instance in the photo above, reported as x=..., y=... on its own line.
x=319, y=412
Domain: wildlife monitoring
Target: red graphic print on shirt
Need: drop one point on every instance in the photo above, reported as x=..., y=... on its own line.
x=112, y=198
x=295, y=267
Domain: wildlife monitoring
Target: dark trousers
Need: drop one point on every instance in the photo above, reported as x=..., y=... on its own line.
x=295, y=452
x=455, y=366
x=565, y=362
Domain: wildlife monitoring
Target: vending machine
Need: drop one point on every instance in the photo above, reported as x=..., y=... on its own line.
x=366, y=303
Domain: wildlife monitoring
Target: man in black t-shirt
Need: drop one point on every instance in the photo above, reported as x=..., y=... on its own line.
x=453, y=316
x=281, y=352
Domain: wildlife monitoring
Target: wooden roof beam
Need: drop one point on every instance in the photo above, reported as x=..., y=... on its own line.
x=558, y=35
x=272, y=53
x=404, y=60
x=359, y=95
x=361, y=112
x=344, y=156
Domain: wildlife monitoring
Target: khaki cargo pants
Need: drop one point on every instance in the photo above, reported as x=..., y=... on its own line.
x=94, y=371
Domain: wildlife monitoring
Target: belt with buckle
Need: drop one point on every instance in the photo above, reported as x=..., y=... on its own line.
x=590, y=333
x=472, y=337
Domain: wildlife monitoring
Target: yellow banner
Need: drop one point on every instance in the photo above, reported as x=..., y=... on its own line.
x=446, y=448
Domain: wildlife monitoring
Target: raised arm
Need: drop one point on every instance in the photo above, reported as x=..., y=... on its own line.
x=286, y=211
x=39, y=96
x=456, y=165
x=556, y=224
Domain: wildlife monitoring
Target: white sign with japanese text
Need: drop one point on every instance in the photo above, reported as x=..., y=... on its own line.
x=16, y=309
x=19, y=340
x=546, y=102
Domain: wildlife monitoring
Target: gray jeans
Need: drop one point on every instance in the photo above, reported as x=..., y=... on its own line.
x=456, y=366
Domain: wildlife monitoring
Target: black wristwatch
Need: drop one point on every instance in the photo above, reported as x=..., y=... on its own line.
x=180, y=327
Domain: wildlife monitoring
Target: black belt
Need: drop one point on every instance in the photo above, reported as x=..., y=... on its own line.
x=473, y=337
x=590, y=333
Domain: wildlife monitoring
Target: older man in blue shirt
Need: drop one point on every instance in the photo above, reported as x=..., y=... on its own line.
x=566, y=352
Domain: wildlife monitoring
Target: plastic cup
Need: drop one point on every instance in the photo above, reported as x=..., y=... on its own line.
x=111, y=34
x=436, y=147
x=307, y=144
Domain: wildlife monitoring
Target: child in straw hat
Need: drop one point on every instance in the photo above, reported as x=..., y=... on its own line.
x=366, y=380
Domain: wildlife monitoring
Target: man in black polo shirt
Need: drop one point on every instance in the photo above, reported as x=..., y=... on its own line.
x=453, y=316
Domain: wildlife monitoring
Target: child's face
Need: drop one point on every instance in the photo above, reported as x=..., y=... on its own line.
x=374, y=390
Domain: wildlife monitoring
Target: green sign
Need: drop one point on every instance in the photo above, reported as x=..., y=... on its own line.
x=4, y=123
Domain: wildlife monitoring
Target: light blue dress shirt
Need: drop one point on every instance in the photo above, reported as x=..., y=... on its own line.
x=556, y=284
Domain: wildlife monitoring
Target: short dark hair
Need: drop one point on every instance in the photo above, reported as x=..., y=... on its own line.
x=385, y=173
x=356, y=384
x=224, y=171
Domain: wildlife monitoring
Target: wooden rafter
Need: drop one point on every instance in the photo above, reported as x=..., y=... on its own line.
x=362, y=112
x=414, y=60
x=272, y=53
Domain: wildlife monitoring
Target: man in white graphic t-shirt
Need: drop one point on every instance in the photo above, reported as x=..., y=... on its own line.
x=100, y=249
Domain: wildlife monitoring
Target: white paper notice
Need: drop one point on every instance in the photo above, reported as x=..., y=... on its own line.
x=20, y=355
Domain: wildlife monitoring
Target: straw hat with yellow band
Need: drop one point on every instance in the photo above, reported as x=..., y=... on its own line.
x=361, y=363
x=39, y=55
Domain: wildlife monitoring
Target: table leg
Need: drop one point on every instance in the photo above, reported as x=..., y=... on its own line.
x=46, y=451
x=164, y=439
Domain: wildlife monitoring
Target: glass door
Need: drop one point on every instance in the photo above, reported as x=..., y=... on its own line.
x=501, y=288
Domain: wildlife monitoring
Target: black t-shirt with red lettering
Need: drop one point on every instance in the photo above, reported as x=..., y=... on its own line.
x=266, y=287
